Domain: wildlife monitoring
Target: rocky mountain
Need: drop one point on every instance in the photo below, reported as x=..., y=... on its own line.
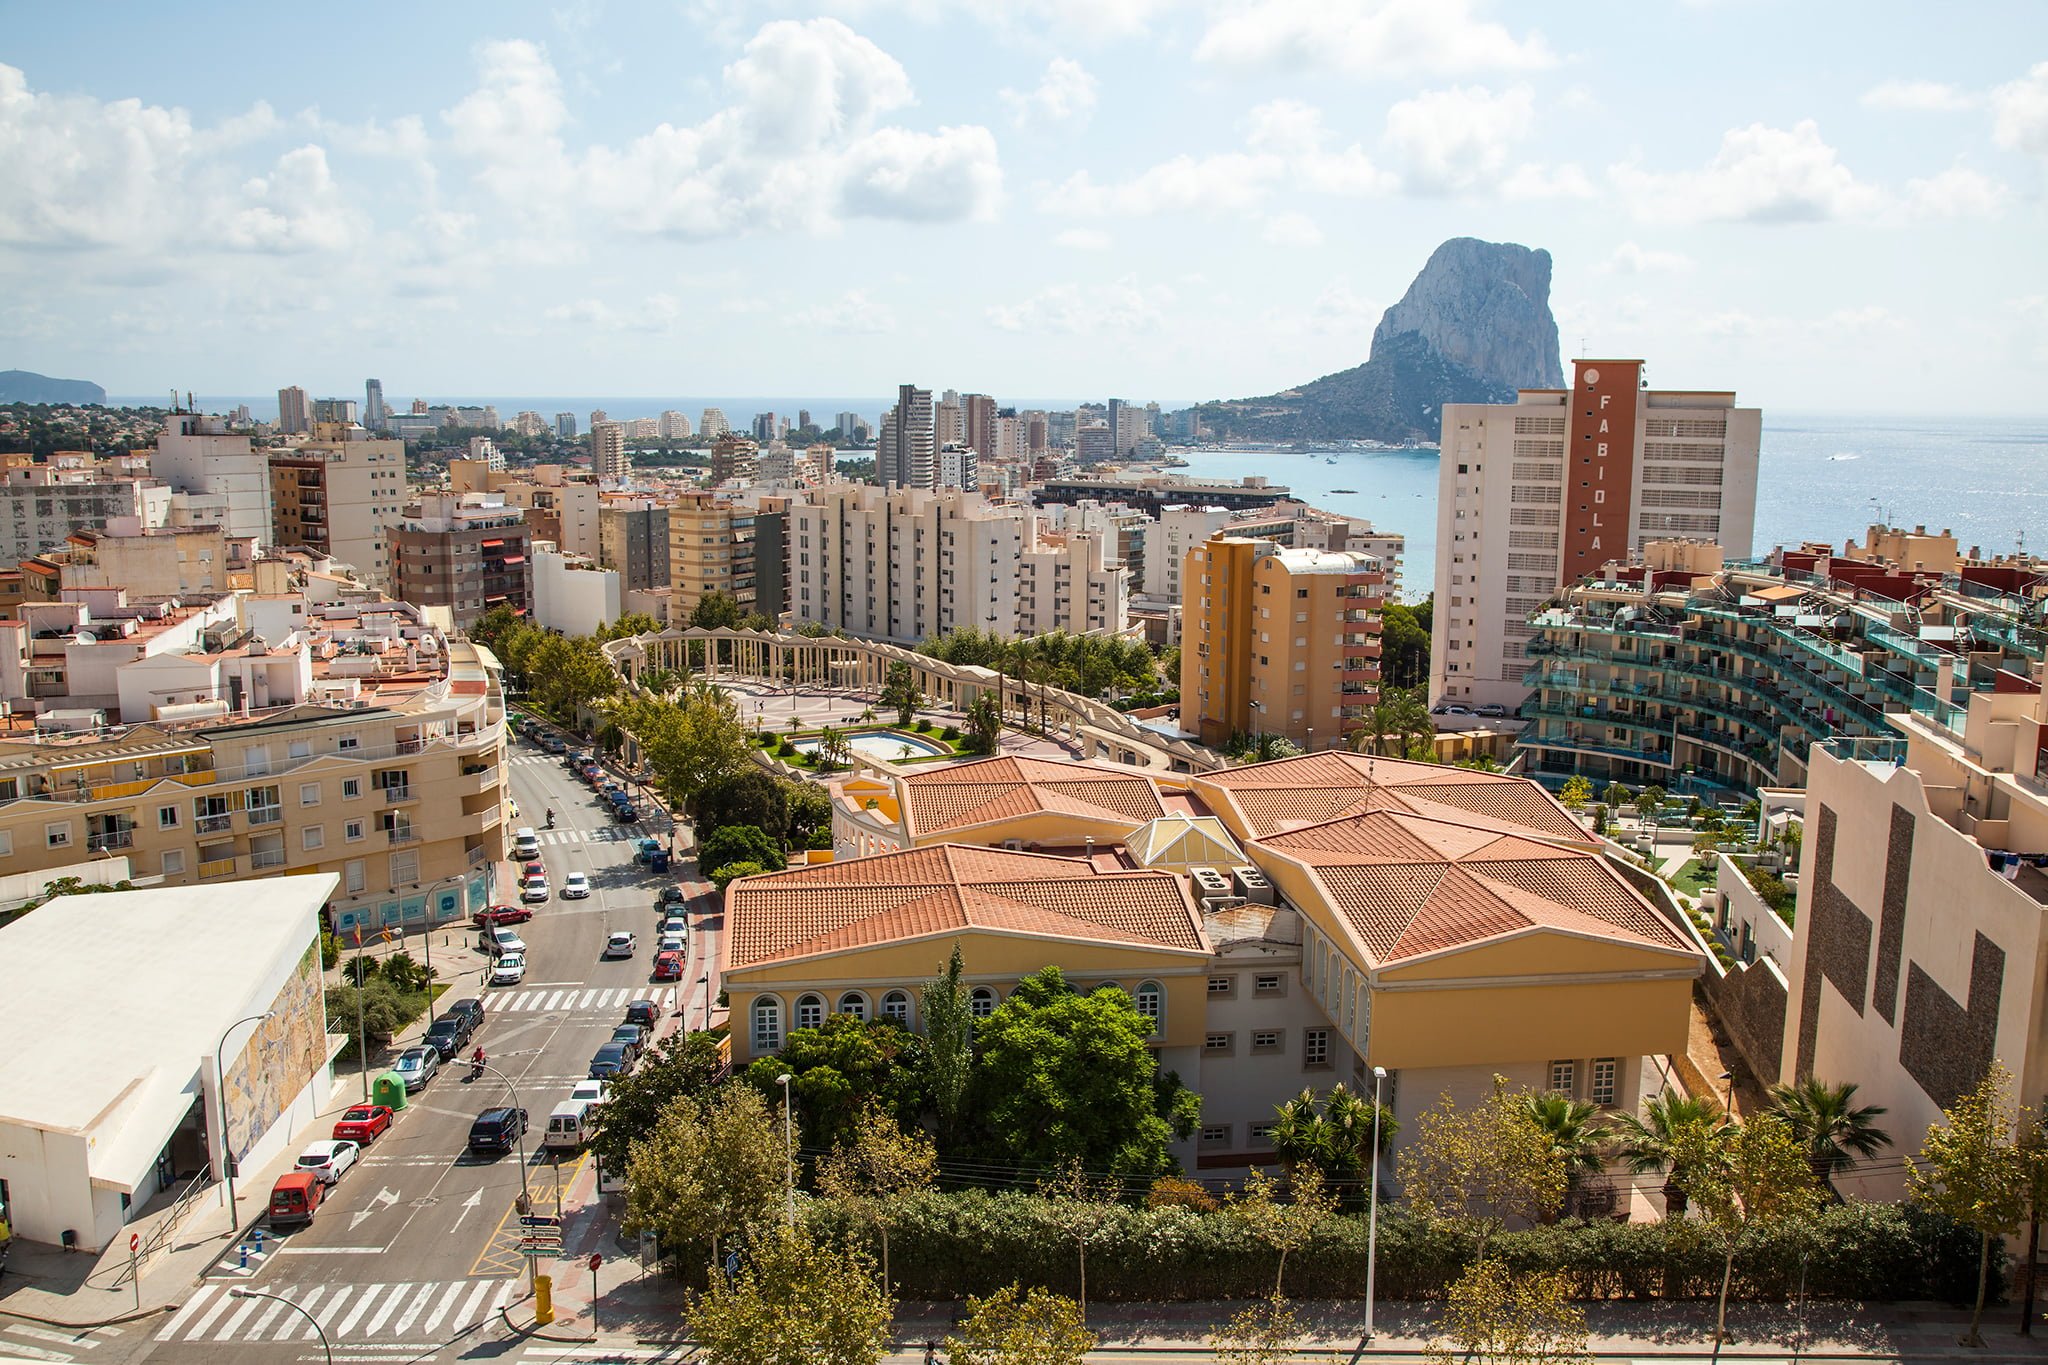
x=25, y=386
x=1473, y=327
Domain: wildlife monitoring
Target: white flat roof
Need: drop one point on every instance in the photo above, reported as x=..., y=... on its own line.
x=121, y=991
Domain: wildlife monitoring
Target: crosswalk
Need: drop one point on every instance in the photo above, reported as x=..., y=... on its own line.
x=415, y=1311
x=24, y=1341
x=604, y=834
x=578, y=999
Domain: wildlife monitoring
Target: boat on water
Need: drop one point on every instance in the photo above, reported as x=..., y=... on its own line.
x=1343, y=490
x=1331, y=459
x=1174, y=462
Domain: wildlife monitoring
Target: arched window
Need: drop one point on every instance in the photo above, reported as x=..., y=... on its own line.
x=767, y=1024
x=1349, y=1004
x=1151, y=1002
x=896, y=1007
x=981, y=1002
x=810, y=1012
x=855, y=1004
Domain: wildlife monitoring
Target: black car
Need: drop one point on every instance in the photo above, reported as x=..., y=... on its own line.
x=670, y=895
x=610, y=1060
x=634, y=1037
x=497, y=1130
x=470, y=1009
x=625, y=813
x=446, y=1037
x=645, y=1013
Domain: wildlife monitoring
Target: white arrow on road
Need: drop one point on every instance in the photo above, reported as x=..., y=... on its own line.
x=467, y=1205
x=383, y=1200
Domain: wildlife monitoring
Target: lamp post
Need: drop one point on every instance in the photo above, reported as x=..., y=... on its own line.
x=238, y=1292
x=1372, y=1226
x=519, y=1145
x=1728, y=1080
x=227, y=1145
x=788, y=1154
x=460, y=879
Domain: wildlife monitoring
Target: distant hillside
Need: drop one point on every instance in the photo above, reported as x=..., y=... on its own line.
x=24, y=386
x=1474, y=327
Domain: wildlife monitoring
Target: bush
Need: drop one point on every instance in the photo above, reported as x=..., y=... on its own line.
x=330, y=951
x=731, y=872
x=951, y=734
x=785, y=748
x=740, y=843
x=820, y=838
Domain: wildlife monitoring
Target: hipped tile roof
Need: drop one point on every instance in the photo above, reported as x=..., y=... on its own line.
x=1290, y=792
x=962, y=796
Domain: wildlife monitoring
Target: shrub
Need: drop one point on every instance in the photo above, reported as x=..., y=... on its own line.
x=951, y=734
x=731, y=872
x=819, y=838
x=740, y=843
x=330, y=951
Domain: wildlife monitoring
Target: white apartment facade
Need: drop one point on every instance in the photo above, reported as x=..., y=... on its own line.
x=904, y=563
x=1180, y=530
x=608, y=451
x=571, y=594
x=225, y=483
x=340, y=493
x=41, y=505
x=1076, y=584
x=1535, y=494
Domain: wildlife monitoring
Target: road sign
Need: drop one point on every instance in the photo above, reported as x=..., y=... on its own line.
x=134, y=1241
x=595, y=1261
x=539, y=1220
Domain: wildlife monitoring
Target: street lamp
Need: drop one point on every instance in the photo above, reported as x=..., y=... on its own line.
x=519, y=1145
x=788, y=1154
x=220, y=1085
x=238, y=1292
x=1728, y=1080
x=460, y=879
x=1372, y=1226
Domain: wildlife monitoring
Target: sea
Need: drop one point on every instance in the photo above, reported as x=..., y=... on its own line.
x=1822, y=477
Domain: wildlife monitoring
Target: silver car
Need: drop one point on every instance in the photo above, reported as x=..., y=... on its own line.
x=416, y=1066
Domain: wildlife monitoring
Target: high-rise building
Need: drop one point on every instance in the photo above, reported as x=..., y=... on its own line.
x=1536, y=494
x=565, y=426
x=732, y=459
x=599, y=415
x=529, y=424
x=294, y=413
x=633, y=538
x=373, y=404
x=608, y=459
x=465, y=552
x=978, y=413
x=803, y=418
x=225, y=483
x=959, y=468
x=674, y=426
x=904, y=563
x=1279, y=642
x=906, y=457
x=716, y=545
x=764, y=427
x=714, y=424
x=1074, y=582
x=342, y=410
x=41, y=504
x=1094, y=444
x=1037, y=432
x=949, y=421
x=848, y=424
x=485, y=449
x=340, y=493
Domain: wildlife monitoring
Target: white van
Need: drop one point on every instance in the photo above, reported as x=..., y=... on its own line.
x=569, y=1125
x=525, y=844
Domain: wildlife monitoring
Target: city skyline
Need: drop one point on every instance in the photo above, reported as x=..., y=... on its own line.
x=582, y=195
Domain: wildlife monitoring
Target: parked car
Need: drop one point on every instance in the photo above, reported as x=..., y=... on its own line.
x=502, y=914
x=668, y=966
x=609, y=1061
x=497, y=1130
x=670, y=943
x=509, y=970
x=670, y=895
x=328, y=1160
x=596, y=1094
x=1450, y=710
x=534, y=889
x=570, y=1125
x=446, y=1037
x=677, y=925
x=575, y=887
x=498, y=940
x=416, y=1066
x=646, y=1013
x=525, y=843
x=626, y=813
x=645, y=849
x=469, y=1010
x=575, y=760
x=1493, y=710
x=631, y=1037
x=621, y=944
x=364, y=1123
x=294, y=1197
x=554, y=744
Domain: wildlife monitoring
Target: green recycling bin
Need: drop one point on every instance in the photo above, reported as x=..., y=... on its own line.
x=388, y=1090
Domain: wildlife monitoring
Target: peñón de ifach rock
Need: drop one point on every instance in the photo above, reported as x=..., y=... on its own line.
x=26, y=386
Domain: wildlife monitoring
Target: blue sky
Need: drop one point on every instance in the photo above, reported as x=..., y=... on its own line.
x=1828, y=207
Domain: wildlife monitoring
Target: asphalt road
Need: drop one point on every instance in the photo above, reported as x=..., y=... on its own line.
x=419, y=1243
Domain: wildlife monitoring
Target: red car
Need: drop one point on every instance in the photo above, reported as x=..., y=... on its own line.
x=534, y=869
x=668, y=966
x=502, y=914
x=362, y=1123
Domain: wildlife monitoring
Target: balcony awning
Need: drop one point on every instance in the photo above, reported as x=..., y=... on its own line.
x=514, y=559
x=493, y=544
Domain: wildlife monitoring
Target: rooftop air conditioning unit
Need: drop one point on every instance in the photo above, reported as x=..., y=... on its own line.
x=1211, y=886
x=1251, y=884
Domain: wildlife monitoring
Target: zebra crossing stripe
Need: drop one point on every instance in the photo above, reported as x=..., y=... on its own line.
x=470, y=1307
x=441, y=1309
x=31, y=1353
x=412, y=1310
x=236, y=1319
x=362, y=1305
x=383, y=1315
x=295, y=1323
x=206, y=1319
x=264, y=1319
x=44, y=1334
x=504, y=1297
x=326, y=1316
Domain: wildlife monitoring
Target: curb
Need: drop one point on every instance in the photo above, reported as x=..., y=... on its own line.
x=532, y=1331
x=130, y=1316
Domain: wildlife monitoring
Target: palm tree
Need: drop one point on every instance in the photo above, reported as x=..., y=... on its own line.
x=1577, y=1138
x=1644, y=1141
x=1349, y=1121
x=1836, y=1131
x=1300, y=1137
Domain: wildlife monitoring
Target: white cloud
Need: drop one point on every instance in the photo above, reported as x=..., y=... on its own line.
x=1065, y=95
x=655, y=313
x=1448, y=141
x=1760, y=175
x=1537, y=180
x=1630, y=259
x=1925, y=97
x=851, y=312
x=297, y=207
x=1075, y=310
x=1368, y=37
x=1292, y=230
x=75, y=172
x=1083, y=239
x=2020, y=112
x=1958, y=192
x=510, y=126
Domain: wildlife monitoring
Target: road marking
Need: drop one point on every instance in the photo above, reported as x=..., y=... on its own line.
x=504, y=1297
x=475, y=1199
x=383, y=1199
x=271, y=1309
x=237, y=1318
x=441, y=1309
x=589, y=999
x=33, y=1353
x=290, y=1250
x=391, y=1302
x=326, y=1316
x=412, y=1310
x=355, y=1314
x=188, y=1309
x=295, y=1323
x=21, y=1329
x=469, y=1308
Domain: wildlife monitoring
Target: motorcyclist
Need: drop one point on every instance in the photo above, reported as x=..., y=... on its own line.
x=551, y=817
x=476, y=1063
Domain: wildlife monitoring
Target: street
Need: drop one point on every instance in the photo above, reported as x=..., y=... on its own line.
x=419, y=1245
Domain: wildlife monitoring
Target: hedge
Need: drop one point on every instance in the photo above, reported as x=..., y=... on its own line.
x=945, y=1245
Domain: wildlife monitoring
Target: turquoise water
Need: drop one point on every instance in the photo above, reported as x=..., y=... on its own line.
x=886, y=745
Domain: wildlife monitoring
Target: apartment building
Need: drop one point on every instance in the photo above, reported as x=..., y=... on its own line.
x=368, y=746
x=42, y=504
x=906, y=453
x=959, y=467
x=465, y=552
x=1279, y=641
x=294, y=411
x=904, y=563
x=1074, y=581
x=608, y=459
x=633, y=538
x=571, y=593
x=1536, y=494
x=340, y=493
x=733, y=459
x=225, y=483
x=1715, y=679
x=1179, y=529
x=154, y=563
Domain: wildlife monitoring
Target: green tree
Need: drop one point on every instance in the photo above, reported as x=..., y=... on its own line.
x=691, y=744
x=739, y=843
x=796, y=1301
x=1263, y=1333
x=984, y=729
x=834, y=750
x=490, y=629
x=1835, y=1130
x=1972, y=1170
x=1027, y=1327
x=710, y=1170
x=716, y=611
x=1333, y=1136
x=385, y=1009
x=1647, y=1142
x=748, y=797
x=1474, y=1168
x=722, y=877
x=1494, y=1316
x=684, y=1066
x=1576, y=1137
x=1742, y=1177
x=1616, y=796
x=405, y=973
x=1079, y=1204
x=810, y=812
x=1404, y=647
x=901, y=692
x=1064, y=1077
x=949, y=1039
x=1577, y=791
x=1284, y=1225
x=1649, y=801
x=843, y=1066
x=875, y=1168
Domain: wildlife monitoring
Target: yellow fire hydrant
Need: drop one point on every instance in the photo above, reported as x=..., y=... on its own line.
x=543, y=1300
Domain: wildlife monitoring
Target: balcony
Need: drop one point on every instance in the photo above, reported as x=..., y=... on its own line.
x=1361, y=647
x=214, y=824
x=397, y=835
x=216, y=868
x=110, y=841
x=396, y=794
x=268, y=858
x=477, y=856
x=265, y=815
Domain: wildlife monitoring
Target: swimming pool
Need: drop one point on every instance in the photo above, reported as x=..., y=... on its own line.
x=886, y=745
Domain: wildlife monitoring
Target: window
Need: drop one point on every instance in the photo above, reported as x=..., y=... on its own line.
x=1262, y=1132
x=405, y=867
x=1605, y=1071
x=1219, y=1043
x=1315, y=1047
x=352, y=876
x=1222, y=987
x=1150, y=999
x=1562, y=1075
x=1216, y=1135
x=352, y=831
x=309, y=793
x=1269, y=983
x=981, y=1002
x=174, y=862
x=313, y=836
x=166, y=817
x=1268, y=1039
x=855, y=1004
x=896, y=1007
x=58, y=835
x=810, y=1012
x=348, y=742
x=351, y=788
x=767, y=1024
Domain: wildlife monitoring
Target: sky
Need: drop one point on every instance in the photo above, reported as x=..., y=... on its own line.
x=1828, y=207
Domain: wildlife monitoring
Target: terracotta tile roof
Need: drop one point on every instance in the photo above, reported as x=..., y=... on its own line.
x=816, y=911
x=966, y=795
x=1313, y=788
x=1411, y=884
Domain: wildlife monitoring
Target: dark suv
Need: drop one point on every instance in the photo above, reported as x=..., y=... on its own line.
x=645, y=1013
x=470, y=1009
x=496, y=1130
